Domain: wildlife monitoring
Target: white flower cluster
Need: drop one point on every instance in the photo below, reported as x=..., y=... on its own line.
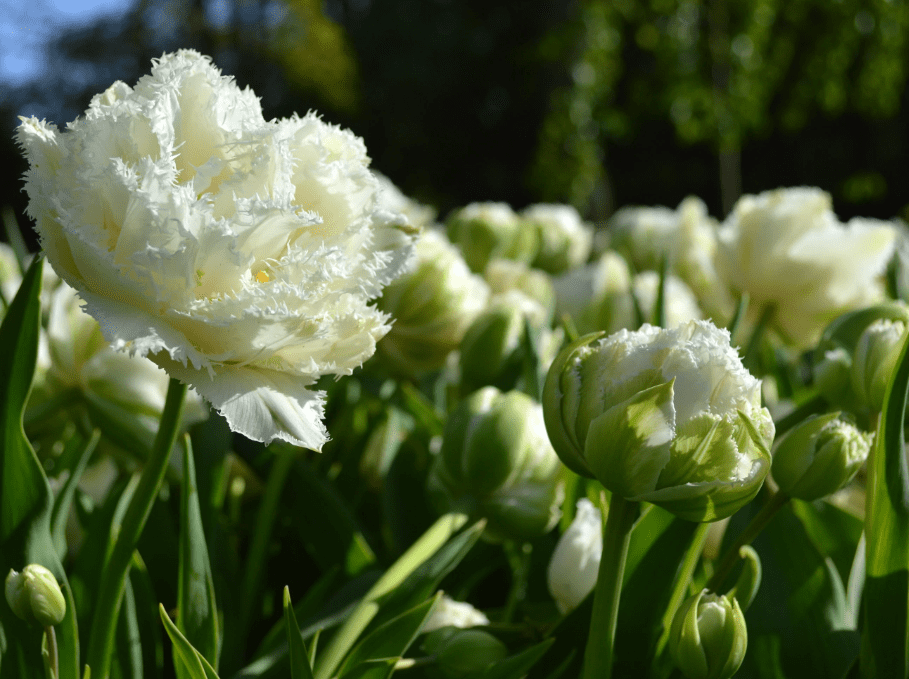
x=240, y=255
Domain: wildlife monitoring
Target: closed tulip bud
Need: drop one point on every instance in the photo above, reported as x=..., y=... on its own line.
x=491, y=348
x=598, y=296
x=433, y=305
x=462, y=652
x=497, y=463
x=708, y=638
x=819, y=456
x=565, y=239
x=503, y=275
x=487, y=230
x=875, y=359
x=669, y=417
x=575, y=562
x=35, y=596
x=450, y=613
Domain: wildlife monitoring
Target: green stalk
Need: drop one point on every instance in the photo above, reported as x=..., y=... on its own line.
x=775, y=503
x=599, y=654
x=113, y=577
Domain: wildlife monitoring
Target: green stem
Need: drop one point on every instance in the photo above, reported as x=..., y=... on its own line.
x=774, y=503
x=754, y=343
x=599, y=654
x=518, y=554
x=53, y=656
x=113, y=576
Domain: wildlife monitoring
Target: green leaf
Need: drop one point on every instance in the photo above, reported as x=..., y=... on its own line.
x=390, y=640
x=128, y=661
x=64, y=499
x=25, y=495
x=300, y=662
x=517, y=666
x=885, y=641
x=197, y=666
x=197, y=613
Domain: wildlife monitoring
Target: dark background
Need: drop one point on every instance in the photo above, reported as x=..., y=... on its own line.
x=600, y=104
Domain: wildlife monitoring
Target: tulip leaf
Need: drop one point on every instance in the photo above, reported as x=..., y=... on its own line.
x=885, y=647
x=517, y=666
x=25, y=494
x=197, y=613
x=197, y=667
x=390, y=640
x=64, y=500
x=300, y=661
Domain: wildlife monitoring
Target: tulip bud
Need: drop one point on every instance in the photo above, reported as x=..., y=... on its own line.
x=433, y=306
x=565, y=240
x=875, y=359
x=450, y=613
x=35, y=596
x=597, y=296
x=503, y=275
x=487, y=230
x=708, y=637
x=669, y=417
x=680, y=305
x=819, y=456
x=462, y=652
x=497, y=463
x=575, y=563
x=490, y=350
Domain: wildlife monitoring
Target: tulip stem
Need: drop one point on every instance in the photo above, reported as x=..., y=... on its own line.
x=598, y=656
x=53, y=657
x=113, y=575
x=774, y=503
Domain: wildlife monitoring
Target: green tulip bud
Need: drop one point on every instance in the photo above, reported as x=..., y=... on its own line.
x=875, y=359
x=819, y=456
x=503, y=275
x=462, y=652
x=35, y=596
x=598, y=296
x=487, y=230
x=491, y=348
x=565, y=240
x=432, y=306
x=669, y=417
x=708, y=637
x=496, y=462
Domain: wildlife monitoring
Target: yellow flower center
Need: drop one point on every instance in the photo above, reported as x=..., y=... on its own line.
x=262, y=277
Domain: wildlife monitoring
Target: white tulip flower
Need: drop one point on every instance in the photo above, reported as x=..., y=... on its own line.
x=789, y=252
x=239, y=255
x=575, y=562
x=451, y=613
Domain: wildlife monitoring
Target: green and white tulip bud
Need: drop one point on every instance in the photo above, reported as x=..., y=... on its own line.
x=564, y=239
x=450, y=613
x=680, y=305
x=597, y=296
x=875, y=360
x=669, y=417
x=819, y=456
x=575, y=563
x=708, y=637
x=35, y=596
x=503, y=275
x=433, y=305
x=491, y=348
x=497, y=463
x=487, y=230
x=462, y=653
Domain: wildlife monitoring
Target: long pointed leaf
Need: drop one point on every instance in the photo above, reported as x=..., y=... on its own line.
x=885, y=642
x=25, y=495
x=300, y=667
x=196, y=665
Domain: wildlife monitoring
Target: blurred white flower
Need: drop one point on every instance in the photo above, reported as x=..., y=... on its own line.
x=565, y=240
x=680, y=305
x=451, y=613
x=392, y=199
x=575, y=562
x=238, y=254
x=789, y=252
x=598, y=295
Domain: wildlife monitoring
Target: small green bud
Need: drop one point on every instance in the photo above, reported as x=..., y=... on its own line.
x=669, y=417
x=432, y=306
x=487, y=230
x=490, y=350
x=565, y=240
x=463, y=652
x=708, y=637
x=503, y=275
x=496, y=462
x=819, y=456
x=875, y=359
x=35, y=596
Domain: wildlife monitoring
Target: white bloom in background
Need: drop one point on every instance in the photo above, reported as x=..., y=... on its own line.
x=680, y=305
x=451, y=613
x=572, y=572
x=485, y=231
x=787, y=250
x=686, y=237
x=565, y=240
x=10, y=275
x=598, y=295
x=503, y=275
x=240, y=255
